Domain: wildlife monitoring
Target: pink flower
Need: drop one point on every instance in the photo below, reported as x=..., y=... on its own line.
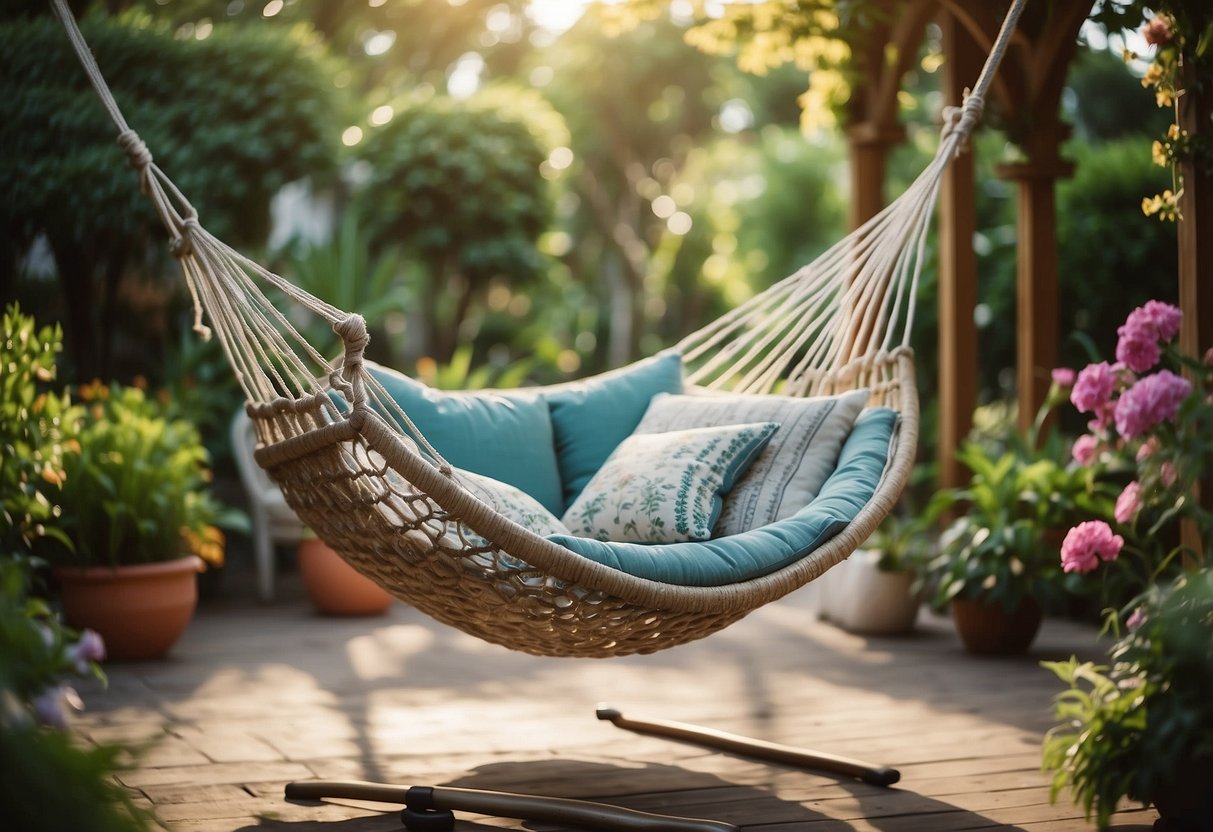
x=1093, y=387
x=1087, y=544
x=1137, y=618
x=1151, y=401
x=1168, y=474
x=1147, y=449
x=1128, y=503
x=1163, y=317
x=1085, y=448
x=1157, y=32
x=1137, y=348
x=90, y=648
x=1063, y=377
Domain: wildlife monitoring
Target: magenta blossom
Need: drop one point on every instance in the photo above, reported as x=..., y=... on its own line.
x=1151, y=401
x=1128, y=503
x=1087, y=544
x=1093, y=387
x=1163, y=318
x=1063, y=377
x=1085, y=448
x=1137, y=348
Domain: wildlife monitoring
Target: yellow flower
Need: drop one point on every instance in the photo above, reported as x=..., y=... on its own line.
x=1164, y=97
x=208, y=545
x=1153, y=75
x=1158, y=153
x=1173, y=132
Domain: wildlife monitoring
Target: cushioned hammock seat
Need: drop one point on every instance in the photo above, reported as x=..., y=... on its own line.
x=371, y=485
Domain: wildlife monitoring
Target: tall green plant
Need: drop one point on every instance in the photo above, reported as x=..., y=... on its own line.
x=344, y=272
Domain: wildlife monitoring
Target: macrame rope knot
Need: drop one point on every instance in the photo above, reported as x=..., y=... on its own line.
x=136, y=151
x=352, y=331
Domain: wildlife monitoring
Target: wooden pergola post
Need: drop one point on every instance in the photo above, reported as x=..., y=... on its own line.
x=1195, y=232
x=957, y=266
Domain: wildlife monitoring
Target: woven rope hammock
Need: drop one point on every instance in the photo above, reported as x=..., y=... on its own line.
x=378, y=493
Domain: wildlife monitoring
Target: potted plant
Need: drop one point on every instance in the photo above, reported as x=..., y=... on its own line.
x=998, y=565
x=1143, y=727
x=335, y=587
x=112, y=490
x=140, y=519
x=874, y=591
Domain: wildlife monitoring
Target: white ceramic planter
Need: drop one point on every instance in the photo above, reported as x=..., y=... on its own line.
x=859, y=597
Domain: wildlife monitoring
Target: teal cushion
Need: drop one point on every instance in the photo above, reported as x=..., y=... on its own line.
x=503, y=435
x=757, y=552
x=591, y=417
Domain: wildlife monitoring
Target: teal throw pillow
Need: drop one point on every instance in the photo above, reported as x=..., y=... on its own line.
x=503, y=435
x=666, y=487
x=591, y=417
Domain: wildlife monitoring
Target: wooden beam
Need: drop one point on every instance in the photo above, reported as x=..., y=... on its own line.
x=1195, y=231
x=957, y=267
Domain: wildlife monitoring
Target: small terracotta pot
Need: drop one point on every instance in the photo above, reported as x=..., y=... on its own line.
x=139, y=610
x=335, y=587
x=988, y=629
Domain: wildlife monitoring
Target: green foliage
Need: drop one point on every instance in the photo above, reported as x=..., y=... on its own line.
x=458, y=185
x=231, y=118
x=459, y=374
x=35, y=433
x=137, y=491
x=1005, y=544
x=1134, y=729
x=50, y=782
x=345, y=273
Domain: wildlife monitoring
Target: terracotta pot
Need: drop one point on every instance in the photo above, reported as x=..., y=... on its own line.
x=988, y=629
x=335, y=587
x=139, y=610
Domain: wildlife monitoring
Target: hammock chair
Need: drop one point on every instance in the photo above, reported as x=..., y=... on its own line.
x=357, y=471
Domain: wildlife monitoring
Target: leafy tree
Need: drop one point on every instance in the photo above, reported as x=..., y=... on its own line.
x=458, y=185
x=231, y=118
x=636, y=104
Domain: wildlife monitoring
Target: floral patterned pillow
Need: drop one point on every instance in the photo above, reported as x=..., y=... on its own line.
x=512, y=503
x=666, y=487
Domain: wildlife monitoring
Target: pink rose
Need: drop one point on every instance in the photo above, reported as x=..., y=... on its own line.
x=1128, y=503
x=1063, y=377
x=1093, y=387
x=1087, y=544
x=1147, y=449
x=1137, y=348
x=1157, y=32
x=1085, y=448
x=1151, y=401
x=1163, y=317
x=1168, y=474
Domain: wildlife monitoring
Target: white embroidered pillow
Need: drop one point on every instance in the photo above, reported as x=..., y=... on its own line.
x=795, y=464
x=666, y=487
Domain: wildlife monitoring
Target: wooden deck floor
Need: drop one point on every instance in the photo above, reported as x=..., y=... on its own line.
x=257, y=696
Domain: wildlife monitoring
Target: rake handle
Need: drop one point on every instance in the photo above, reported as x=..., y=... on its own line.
x=775, y=752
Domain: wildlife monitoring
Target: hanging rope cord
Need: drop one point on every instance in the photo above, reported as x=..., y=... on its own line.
x=837, y=315
x=832, y=318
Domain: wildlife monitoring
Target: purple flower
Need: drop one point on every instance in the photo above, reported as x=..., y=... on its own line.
x=50, y=706
x=1063, y=377
x=1093, y=387
x=1085, y=448
x=1087, y=544
x=90, y=648
x=1128, y=503
x=1151, y=401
